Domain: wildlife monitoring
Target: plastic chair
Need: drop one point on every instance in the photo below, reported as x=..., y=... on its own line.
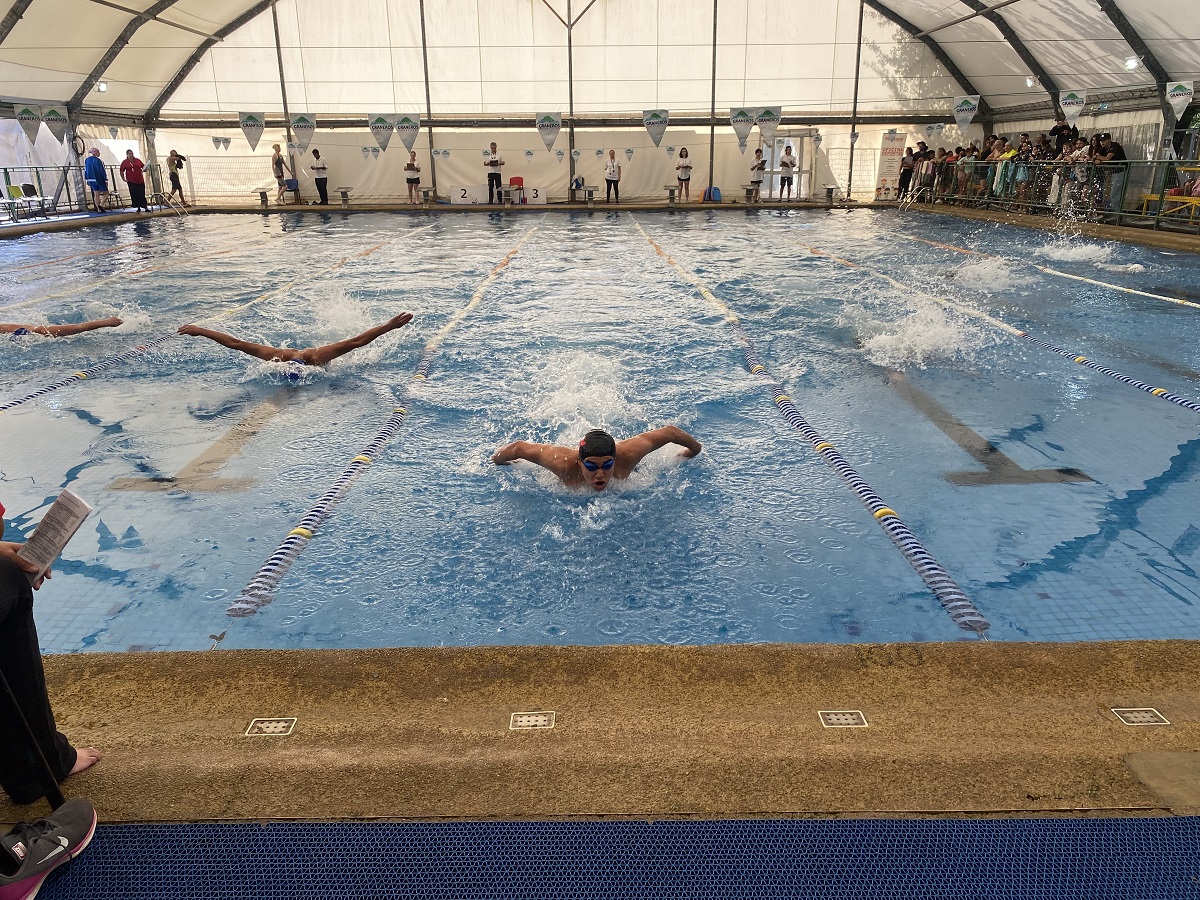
x=30, y=195
x=517, y=182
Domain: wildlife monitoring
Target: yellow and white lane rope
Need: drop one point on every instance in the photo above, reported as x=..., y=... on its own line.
x=1080, y=359
x=1050, y=271
x=260, y=590
x=937, y=579
x=142, y=348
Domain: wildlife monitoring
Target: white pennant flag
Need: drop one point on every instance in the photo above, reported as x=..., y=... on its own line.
x=381, y=129
x=216, y=143
x=252, y=127
x=561, y=154
x=742, y=122
x=768, y=120
x=655, y=121
x=31, y=121
x=1179, y=95
x=56, y=121
x=965, y=110
x=303, y=127
x=1072, y=103
x=548, y=126
x=408, y=126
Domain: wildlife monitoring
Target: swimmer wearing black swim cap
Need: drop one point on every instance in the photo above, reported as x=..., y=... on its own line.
x=598, y=458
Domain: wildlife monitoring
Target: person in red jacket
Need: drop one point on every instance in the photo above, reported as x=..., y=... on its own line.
x=133, y=175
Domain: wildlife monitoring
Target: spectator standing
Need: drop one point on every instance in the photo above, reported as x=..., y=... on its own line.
x=174, y=164
x=320, y=177
x=683, y=172
x=494, y=165
x=133, y=174
x=612, y=177
x=21, y=663
x=787, y=172
x=1064, y=135
x=97, y=178
x=907, y=164
x=1112, y=160
x=412, y=176
x=756, y=175
x=278, y=167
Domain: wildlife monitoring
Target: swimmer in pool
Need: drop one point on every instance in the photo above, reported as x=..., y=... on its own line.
x=599, y=457
x=59, y=330
x=310, y=356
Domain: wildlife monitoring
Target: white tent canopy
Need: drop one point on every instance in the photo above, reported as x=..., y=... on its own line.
x=184, y=59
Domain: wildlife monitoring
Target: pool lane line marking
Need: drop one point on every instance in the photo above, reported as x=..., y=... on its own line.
x=142, y=348
x=198, y=475
x=956, y=603
x=999, y=468
x=260, y=590
x=1049, y=271
x=1080, y=359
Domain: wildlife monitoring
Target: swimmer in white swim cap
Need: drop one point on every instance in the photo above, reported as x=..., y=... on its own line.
x=309, y=356
x=599, y=457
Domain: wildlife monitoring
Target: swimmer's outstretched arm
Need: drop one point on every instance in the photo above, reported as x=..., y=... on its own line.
x=631, y=450
x=559, y=460
x=260, y=351
x=62, y=330
x=319, y=356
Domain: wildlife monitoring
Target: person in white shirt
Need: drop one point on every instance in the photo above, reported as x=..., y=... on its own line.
x=494, y=164
x=787, y=170
x=683, y=171
x=756, y=174
x=320, y=176
x=612, y=177
x=412, y=175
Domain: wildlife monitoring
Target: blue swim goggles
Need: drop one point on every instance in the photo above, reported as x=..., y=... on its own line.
x=592, y=467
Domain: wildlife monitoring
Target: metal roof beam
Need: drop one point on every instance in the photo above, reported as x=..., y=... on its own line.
x=935, y=48
x=1049, y=85
x=1143, y=51
x=192, y=61
x=127, y=33
x=12, y=17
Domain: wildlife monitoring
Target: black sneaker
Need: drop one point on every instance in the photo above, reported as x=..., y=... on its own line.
x=32, y=850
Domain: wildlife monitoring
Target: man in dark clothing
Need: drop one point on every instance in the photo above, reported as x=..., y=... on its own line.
x=1063, y=134
x=132, y=175
x=1112, y=162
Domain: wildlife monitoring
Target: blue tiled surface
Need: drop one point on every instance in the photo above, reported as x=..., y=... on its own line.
x=1034, y=859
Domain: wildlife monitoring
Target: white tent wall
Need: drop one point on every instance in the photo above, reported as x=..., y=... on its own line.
x=15, y=149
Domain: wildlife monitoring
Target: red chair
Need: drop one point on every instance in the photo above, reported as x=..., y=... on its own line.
x=518, y=182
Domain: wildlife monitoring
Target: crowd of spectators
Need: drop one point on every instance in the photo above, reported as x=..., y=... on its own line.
x=1054, y=169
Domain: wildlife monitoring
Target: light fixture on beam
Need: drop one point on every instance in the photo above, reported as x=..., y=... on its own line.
x=101, y=86
x=1029, y=82
x=1133, y=63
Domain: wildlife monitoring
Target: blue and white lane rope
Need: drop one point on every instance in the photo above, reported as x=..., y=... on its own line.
x=260, y=590
x=142, y=348
x=1161, y=393
x=956, y=603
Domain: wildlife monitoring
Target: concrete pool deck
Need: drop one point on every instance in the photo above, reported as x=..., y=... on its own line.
x=644, y=732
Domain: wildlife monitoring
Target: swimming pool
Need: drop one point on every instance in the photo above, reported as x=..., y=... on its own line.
x=1057, y=498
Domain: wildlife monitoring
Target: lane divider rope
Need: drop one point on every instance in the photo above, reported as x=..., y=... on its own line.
x=143, y=348
x=1078, y=358
x=952, y=598
x=260, y=590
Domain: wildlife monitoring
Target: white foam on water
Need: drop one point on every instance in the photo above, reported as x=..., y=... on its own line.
x=1130, y=268
x=133, y=319
x=923, y=334
x=584, y=390
x=991, y=276
x=1075, y=251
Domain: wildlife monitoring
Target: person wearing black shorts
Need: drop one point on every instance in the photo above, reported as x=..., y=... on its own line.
x=787, y=172
x=412, y=175
x=174, y=164
x=494, y=165
x=683, y=172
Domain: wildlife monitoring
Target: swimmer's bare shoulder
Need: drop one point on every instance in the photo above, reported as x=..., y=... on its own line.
x=559, y=460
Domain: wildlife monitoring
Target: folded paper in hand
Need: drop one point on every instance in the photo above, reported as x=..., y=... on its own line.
x=58, y=526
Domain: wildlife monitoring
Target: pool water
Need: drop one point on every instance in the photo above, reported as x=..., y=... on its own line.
x=956, y=424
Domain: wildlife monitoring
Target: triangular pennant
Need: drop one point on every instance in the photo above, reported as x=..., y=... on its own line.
x=252, y=125
x=408, y=126
x=768, y=120
x=56, y=120
x=548, y=126
x=303, y=127
x=382, y=127
x=1179, y=95
x=1072, y=104
x=655, y=121
x=31, y=121
x=742, y=122
x=965, y=109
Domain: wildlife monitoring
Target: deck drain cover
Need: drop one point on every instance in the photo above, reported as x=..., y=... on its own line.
x=843, y=718
x=277, y=727
x=526, y=720
x=1144, y=716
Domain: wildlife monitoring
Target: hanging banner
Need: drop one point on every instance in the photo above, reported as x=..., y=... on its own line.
x=375, y=152
x=366, y=152
x=768, y=120
x=150, y=133
x=742, y=121
x=1179, y=95
x=548, y=126
x=381, y=129
x=965, y=110
x=31, y=120
x=225, y=142
x=303, y=127
x=599, y=154
x=561, y=154
x=575, y=154
x=216, y=143
x=56, y=121
x=528, y=155
x=1072, y=104
x=655, y=121
x=113, y=131
x=671, y=152
x=887, y=179
x=628, y=153
x=252, y=126
x=408, y=126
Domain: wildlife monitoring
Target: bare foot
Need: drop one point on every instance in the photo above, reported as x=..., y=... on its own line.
x=86, y=758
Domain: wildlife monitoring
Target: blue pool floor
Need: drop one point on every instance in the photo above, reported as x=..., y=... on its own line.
x=1022, y=859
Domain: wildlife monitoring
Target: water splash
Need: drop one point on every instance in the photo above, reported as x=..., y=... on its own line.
x=923, y=334
x=1075, y=251
x=991, y=276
